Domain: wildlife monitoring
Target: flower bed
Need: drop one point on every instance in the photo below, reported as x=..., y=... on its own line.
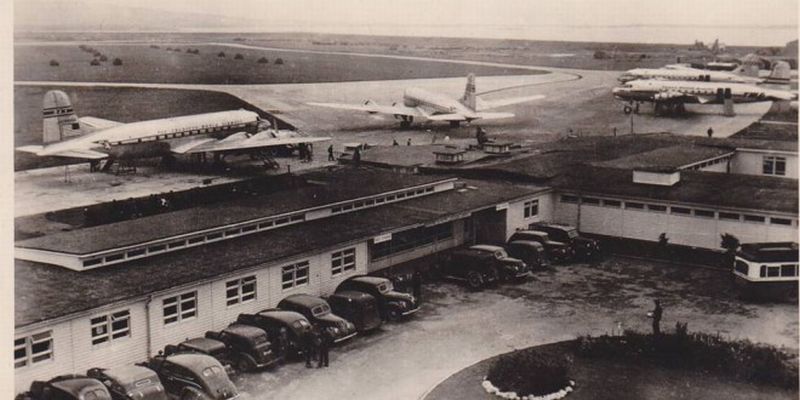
x=529, y=374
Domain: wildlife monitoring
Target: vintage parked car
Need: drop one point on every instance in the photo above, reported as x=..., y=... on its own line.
x=532, y=253
x=474, y=267
x=193, y=376
x=357, y=307
x=202, y=345
x=274, y=320
x=507, y=267
x=67, y=387
x=249, y=348
x=582, y=247
x=391, y=304
x=556, y=251
x=130, y=382
x=318, y=312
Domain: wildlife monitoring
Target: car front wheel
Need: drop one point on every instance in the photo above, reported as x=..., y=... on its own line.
x=474, y=280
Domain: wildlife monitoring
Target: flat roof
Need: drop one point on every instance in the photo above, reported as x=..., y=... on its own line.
x=45, y=291
x=713, y=189
x=409, y=156
x=327, y=188
x=668, y=158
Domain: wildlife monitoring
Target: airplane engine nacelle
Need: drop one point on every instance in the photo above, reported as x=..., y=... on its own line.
x=140, y=150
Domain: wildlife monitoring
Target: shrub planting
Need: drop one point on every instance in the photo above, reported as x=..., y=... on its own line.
x=94, y=62
x=740, y=359
x=530, y=372
x=117, y=61
x=103, y=58
x=279, y=61
x=54, y=63
x=263, y=60
x=238, y=56
x=221, y=54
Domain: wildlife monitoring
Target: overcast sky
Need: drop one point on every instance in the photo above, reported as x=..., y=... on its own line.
x=737, y=21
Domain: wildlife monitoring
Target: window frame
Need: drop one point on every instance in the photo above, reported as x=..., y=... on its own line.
x=339, y=262
x=109, y=333
x=29, y=357
x=182, y=312
x=240, y=296
x=296, y=280
x=530, y=208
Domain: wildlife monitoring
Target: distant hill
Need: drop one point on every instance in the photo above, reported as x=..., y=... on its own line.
x=64, y=15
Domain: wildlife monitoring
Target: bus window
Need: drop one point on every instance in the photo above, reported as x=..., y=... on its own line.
x=788, y=270
x=741, y=267
x=773, y=271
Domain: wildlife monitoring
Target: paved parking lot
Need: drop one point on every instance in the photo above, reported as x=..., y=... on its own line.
x=457, y=328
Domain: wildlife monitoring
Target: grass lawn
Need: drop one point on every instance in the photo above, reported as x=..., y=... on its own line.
x=598, y=379
x=117, y=104
x=141, y=63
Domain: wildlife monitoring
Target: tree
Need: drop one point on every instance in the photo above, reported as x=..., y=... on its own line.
x=238, y=56
x=103, y=58
x=117, y=61
x=94, y=62
x=221, y=54
x=263, y=60
x=279, y=61
x=54, y=63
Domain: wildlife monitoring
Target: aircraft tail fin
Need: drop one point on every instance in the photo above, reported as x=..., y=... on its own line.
x=469, y=93
x=59, y=121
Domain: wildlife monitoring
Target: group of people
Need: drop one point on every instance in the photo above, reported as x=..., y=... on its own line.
x=306, y=151
x=316, y=347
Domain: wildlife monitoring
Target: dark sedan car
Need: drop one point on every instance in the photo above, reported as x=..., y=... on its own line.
x=556, y=251
x=357, y=307
x=67, y=387
x=583, y=247
x=193, y=376
x=532, y=253
x=130, y=382
x=274, y=321
x=318, y=312
x=391, y=304
x=248, y=347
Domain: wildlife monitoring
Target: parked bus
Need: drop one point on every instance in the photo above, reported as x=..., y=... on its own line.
x=767, y=270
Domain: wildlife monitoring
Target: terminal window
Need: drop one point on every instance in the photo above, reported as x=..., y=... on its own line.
x=774, y=165
x=111, y=327
x=179, y=308
x=240, y=290
x=294, y=275
x=531, y=208
x=343, y=261
x=33, y=349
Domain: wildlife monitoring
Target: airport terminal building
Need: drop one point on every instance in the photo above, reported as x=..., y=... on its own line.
x=117, y=293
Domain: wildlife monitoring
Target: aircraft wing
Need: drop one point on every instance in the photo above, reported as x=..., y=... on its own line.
x=490, y=104
x=495, y=115
x=96, y=124
x=242, y=141
x=82, y=153
x=446, y=117
x=373, y=108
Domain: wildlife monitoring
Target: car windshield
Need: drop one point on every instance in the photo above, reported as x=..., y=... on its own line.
x=320, y=310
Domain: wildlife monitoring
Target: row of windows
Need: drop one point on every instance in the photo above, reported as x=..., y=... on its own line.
x=773, y=271
x=709, y=163
x=531, y=208
x=192, y=241
x=772, y=165
x=658, y=208
x=356, y=205
x=411, y=239
x=182, y=307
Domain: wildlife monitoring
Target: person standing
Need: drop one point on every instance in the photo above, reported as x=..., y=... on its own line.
x=710, y=132
x=656, y=315
x=357, y=157
x=330, y=153
x=408, y=142
x=308, y=347
x=323, y=346
x=394, y=142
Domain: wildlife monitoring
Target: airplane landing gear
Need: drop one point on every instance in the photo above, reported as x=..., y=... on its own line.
x=405, y=121
x=669, y=108
x=631, y=108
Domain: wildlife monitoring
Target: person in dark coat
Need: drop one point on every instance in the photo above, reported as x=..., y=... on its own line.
x=330, y=153
x=308, y=347
x=323, y=348
x=357, y=157
x=656, y=316
x=710, y=132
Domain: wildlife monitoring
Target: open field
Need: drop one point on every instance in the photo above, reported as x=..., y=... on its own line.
x=117, y=104
x=142, y=63
x=531, y=52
